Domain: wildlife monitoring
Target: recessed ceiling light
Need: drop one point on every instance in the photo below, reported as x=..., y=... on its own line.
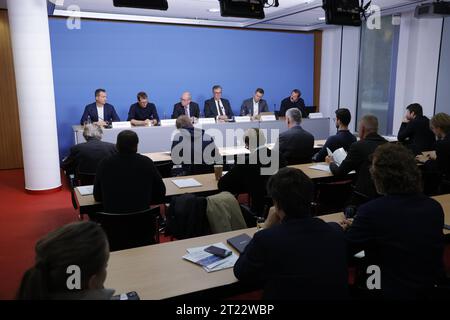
x=214, y=10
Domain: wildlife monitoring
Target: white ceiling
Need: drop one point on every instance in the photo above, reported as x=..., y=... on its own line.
x=290, y=15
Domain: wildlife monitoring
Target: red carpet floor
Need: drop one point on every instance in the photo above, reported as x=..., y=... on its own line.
x=24, y=218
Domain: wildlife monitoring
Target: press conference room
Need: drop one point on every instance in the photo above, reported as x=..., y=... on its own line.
x=254, y=151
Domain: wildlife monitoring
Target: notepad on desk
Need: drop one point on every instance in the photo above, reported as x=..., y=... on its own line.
x=186, y=183
x=86, y=190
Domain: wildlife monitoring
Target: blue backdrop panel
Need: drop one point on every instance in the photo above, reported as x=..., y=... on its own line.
x=165, y=60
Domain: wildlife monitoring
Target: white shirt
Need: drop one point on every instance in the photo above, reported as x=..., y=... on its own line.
x=219, y=107
x=255, y=108
x=100, y=112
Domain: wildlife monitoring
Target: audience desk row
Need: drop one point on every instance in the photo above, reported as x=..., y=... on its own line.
x=159, y=272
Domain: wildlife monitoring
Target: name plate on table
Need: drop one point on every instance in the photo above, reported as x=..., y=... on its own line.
x=121, y=125
x=206, y=120
x=243, y=119
x=168, y=122
x=268, y=117
x=316, y=115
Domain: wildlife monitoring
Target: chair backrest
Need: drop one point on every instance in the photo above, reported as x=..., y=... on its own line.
x=129, y=230
x=85, y=179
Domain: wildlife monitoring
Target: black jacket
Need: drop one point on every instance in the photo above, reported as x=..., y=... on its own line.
x=442, y=162
x=402, y=234
x=211, y=108
x=128, y=183
x=298, y=259
x=85, y=157
x=359, y=158
x=178, y=110
x=287, y=104
x=90, y=113
x=417, y=135
x=296, y=146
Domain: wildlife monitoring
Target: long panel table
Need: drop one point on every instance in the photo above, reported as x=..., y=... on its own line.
x=158, y=139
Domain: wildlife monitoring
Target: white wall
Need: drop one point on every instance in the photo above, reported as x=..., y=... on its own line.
x=417, y=67
x=330, y=95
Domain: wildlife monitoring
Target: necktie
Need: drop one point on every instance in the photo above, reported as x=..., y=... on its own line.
x=186, y=111
x=220, y=108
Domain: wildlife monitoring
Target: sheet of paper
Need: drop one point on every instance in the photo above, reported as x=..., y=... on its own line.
x=321, y=167
x=186, y=183
x=86, y=190
x=339, y=156
x=215, y=263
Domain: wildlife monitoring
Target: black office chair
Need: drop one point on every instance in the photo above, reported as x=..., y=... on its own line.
x=129, y=230
x=85, y=179
x=311, y=109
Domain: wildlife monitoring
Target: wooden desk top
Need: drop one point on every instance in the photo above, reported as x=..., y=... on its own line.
x=159, y=156
x=318, y=144
x=159, y=272
x=313, y=173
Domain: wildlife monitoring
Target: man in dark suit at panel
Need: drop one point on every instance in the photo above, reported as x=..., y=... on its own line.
x=143, y=113
x=359, y=158
x=128, y=181
x=254, y=106
x=294, y=101
x=400, y=232
x=296, y=145
x=217, y=107
x=186, y=107
x=295, y=256
x=85, y=157
x=99, y=112
x=415, y=130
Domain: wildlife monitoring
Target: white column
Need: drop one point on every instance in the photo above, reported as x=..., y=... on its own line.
x=34, y=81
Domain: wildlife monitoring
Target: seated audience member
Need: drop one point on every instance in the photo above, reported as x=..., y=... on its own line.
x=295, y=256
x=217, y=107
x=293, y=101
x=85, y=157
x=359, y=159
x=186, y=107
x=296, y=145
x=82, y=244
x=415, y=130
x=128, y=181
x=192, y=148
x=247, y=176
x=254, y=106
x=343, y=139
x=143, y=113
x=99, y=112
x=440, y=165
x=400, y=232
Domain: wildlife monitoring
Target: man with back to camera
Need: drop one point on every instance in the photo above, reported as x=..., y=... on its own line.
x=99, y=112
x=293, y=101
x=217, y=107
x=186, y=107
x=128, y=181
x=253, y=107
x=296, y=145
x=143, y=113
